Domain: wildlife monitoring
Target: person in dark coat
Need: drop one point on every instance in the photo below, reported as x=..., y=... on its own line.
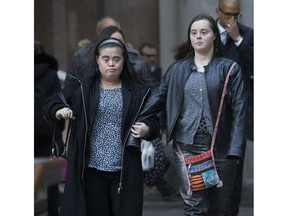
x=46, y=83
x=104, y=173
x=238, y=45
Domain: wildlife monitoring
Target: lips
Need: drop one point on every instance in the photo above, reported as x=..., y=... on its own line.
x=198, y=43
x=111, y=70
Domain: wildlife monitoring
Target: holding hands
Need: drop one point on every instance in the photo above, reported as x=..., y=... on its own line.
x=139, y=130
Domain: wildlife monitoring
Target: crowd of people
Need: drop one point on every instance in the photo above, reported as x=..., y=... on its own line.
x=118, y=95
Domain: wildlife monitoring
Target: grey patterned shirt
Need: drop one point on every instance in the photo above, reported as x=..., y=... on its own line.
x=195, y=116
x=106, y=145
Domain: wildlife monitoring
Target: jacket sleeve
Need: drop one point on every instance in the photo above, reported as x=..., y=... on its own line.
x=246, y=50
x=238, y=107
x=156, y=101
x=54, y=102
x=152, y=121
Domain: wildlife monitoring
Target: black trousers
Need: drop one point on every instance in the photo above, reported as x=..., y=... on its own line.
x=101, y=193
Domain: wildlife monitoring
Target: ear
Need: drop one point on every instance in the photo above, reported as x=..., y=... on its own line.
x=217, y=12
x=97, y=59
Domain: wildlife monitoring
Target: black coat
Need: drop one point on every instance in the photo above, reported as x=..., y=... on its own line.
x=82, y=96
x=243, y=54
x=46, y=83
x=169, y=93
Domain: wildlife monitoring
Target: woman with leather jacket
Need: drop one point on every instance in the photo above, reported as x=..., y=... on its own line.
x=191, y=91
x=104, y=174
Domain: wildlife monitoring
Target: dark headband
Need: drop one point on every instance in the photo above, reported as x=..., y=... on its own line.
x=112, y=42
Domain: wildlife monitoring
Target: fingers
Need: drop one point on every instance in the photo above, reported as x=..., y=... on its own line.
x=232, y=24
x=232, y=28
x=138, y=127
x=65, y=113
x=139, y=130
x=139, y=123
x=135, y=134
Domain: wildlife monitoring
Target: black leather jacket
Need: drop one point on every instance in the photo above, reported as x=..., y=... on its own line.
x=169, y=92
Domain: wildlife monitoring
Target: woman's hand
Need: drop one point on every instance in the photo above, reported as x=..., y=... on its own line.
x=139, y=130
x=65, y=113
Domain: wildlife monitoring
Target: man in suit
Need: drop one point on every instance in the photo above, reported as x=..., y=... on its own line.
x=237, y=41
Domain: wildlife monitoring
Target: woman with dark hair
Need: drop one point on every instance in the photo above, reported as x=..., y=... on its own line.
x=140, y=67
x=104, y=173
x=191, y=91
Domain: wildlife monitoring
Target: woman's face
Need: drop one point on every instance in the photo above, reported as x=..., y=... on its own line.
x=110, y=62
x=201, y=36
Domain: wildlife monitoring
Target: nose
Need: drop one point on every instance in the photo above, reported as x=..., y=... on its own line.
x=198, y=35
x=232, y=18
x=111, y=62
x=152, y=58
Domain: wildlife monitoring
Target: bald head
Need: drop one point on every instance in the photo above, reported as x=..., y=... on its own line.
x=105, y=22
x=227, y=10
x=229, y=3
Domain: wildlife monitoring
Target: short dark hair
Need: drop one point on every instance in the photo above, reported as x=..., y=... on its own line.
x=146, y=44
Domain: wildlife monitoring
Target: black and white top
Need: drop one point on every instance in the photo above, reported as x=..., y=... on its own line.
x=106, y=145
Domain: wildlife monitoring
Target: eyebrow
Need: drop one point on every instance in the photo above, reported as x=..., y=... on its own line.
x=108, y=56
x=200, y=29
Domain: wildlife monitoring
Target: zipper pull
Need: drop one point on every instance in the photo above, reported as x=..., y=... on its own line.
x=119, y=188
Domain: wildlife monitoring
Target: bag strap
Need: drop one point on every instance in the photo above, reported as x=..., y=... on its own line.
x=52, y=153
x=65, y=150
x=220, y=184
x=221, y=106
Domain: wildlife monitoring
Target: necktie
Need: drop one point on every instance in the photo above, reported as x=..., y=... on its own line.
x=223, y=37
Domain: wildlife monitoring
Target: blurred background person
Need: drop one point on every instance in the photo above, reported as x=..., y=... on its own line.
x=46, y=83
x=149, y=54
